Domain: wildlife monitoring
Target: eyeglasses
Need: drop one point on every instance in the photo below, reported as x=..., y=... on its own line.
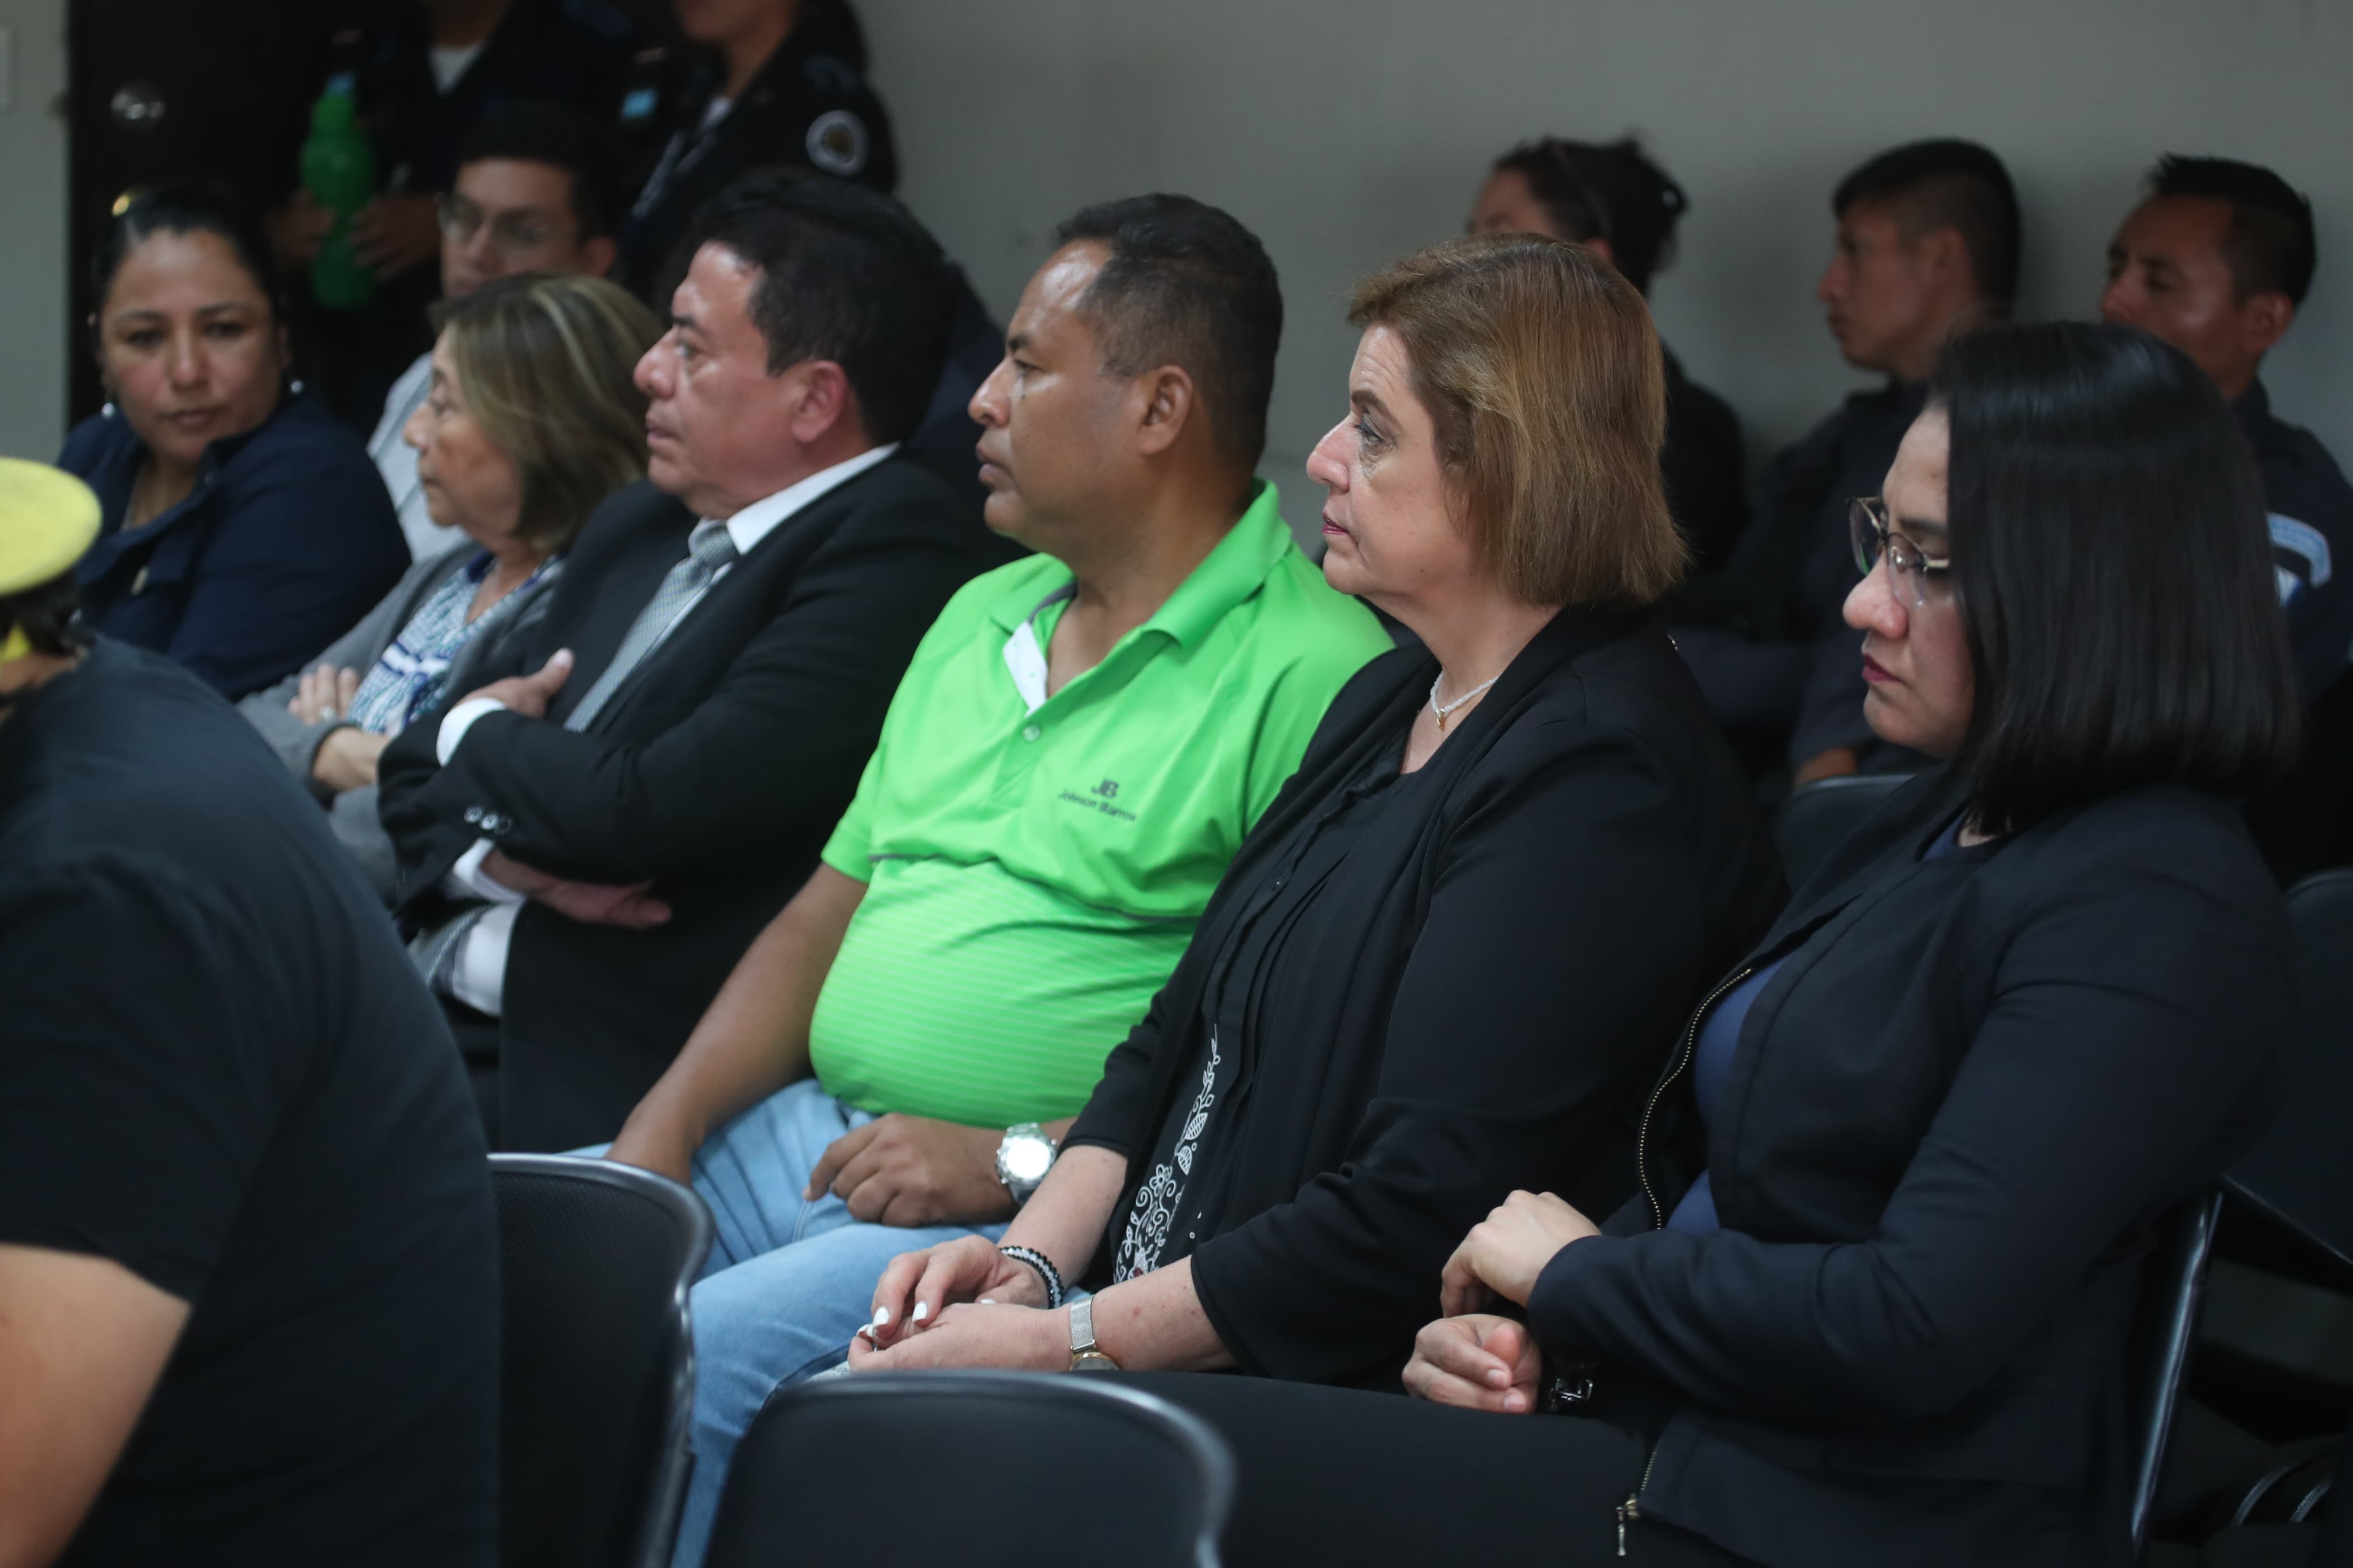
x=461, y=220
x=1918, y=578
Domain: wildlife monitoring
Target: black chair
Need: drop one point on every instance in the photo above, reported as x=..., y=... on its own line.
x=2300, y=1172
x=597, y=1373
x=2163, y=1336
x=892, y=1469
x=1817, y=817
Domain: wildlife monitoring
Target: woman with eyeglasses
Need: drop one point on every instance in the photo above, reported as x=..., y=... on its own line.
x=534, y=418
x=1901, y=1179
x=537, y=191
x=1613, y=200
x=243, y=526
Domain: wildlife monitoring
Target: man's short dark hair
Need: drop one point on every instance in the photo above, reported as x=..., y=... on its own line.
x=1187, y=285
x=846, y=274
x=1947, y=184
x=532, y=132
x=2270, y=247
x=2114, y=568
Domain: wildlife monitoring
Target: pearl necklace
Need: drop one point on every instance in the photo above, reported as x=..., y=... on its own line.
x=1447, y=709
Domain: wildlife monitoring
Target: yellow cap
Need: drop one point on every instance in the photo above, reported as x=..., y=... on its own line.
x=47, y=519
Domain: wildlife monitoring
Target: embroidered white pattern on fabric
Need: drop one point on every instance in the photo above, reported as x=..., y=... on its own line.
x=1156, y=1200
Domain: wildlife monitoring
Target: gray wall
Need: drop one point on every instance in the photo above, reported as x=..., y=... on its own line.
x=32, y=231
x=1347, y=132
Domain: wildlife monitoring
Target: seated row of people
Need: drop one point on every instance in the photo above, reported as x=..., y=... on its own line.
x=1841, y=1258
x=2216, y=261
x=1507, y=953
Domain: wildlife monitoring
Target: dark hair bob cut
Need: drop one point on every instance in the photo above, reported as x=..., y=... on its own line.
x=2114, y=568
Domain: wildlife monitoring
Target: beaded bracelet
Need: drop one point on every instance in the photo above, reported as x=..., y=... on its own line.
x=1045, y=1268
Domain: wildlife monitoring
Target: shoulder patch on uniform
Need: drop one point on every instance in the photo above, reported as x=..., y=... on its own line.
x=2305, y=542
x=837, y=142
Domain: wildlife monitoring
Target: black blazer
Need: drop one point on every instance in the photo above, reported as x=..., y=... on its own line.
x=1954, y=1116
x=1571, y=867
x=716, y=771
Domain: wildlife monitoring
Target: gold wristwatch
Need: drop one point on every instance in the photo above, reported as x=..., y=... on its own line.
x=1084, y=1357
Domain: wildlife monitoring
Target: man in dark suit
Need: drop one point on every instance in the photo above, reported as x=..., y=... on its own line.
x=591, y=838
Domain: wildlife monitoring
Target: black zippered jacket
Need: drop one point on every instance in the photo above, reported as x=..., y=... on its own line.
x=1497, y=968
x=1953, y=1120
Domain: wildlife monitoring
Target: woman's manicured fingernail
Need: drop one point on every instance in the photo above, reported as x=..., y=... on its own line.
x=923, y=1311
x=881, y=1316
x=985, y=1302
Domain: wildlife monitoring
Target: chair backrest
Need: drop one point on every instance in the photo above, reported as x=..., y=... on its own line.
x=2301, y=1171
x=598, y=1364
x=892, y=1468
x=1817, y=817
x=2164, y=1332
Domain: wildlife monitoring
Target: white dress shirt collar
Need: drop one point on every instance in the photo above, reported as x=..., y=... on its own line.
x=759, y=520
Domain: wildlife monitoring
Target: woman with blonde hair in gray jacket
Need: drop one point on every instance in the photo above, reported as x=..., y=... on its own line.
x=533, y=418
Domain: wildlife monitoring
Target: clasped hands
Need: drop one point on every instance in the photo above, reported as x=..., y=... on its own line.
x=1482, y=1361
x=345, y=758
x=961, y=1304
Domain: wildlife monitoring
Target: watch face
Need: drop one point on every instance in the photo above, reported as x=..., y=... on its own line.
x=1028, y=1159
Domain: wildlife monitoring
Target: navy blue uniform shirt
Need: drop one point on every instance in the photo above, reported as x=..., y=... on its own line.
x=2312, y=538
x=808, y=107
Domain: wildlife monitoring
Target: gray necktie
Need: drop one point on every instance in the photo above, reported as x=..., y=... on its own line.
x=708, y=548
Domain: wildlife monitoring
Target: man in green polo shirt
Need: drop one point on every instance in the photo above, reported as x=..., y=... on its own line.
x=1078, y=749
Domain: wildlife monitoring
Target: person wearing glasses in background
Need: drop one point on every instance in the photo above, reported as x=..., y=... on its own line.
x=1617, y=203
x=537, y=191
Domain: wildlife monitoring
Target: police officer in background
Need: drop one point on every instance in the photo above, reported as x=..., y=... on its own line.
x=788, y=88
x=1926, y=248
x=2216, y=261
x=425, y=78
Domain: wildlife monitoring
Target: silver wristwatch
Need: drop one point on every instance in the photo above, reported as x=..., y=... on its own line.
x=1023, y=1159
x=1085, y=1356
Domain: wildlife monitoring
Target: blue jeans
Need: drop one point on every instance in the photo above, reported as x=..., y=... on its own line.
x=788, y=1283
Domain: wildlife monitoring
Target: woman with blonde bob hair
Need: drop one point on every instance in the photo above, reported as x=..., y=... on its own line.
x=533, y=418
x=1469, y=924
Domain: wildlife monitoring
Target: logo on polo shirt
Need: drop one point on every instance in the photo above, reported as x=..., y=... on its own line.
x=1101, y=797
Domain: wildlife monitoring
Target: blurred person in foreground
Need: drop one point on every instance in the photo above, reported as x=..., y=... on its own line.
x=249, y=1293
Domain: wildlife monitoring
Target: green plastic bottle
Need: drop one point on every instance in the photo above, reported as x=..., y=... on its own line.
x=339, y=173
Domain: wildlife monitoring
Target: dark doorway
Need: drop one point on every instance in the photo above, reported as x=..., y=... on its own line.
x=164, y=89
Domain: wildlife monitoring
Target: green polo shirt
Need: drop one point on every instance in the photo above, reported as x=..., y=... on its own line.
x=1034, y=874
